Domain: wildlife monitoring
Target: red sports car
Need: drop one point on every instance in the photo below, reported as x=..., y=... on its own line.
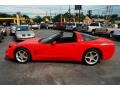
x=76, y=47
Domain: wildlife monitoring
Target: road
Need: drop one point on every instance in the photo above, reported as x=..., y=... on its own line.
x=52, y=73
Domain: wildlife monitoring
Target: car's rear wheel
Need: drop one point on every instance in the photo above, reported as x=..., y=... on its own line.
x=91, y=57
x=22, y=55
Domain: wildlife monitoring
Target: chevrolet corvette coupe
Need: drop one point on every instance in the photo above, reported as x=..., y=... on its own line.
x=76, y=47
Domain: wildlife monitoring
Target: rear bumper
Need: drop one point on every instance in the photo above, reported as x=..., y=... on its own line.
x=116, y=36
x=108, y=52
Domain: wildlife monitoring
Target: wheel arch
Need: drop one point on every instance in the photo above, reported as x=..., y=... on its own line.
x=23, y=48
x=93, y=48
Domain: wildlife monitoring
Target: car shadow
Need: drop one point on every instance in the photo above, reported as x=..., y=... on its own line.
x=45, y=61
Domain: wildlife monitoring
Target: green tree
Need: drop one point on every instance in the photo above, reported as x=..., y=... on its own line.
x=37, y=19
x=25, y=16
x=113, y=18
x=46, y=17
x=57, y=18
x=4, y=15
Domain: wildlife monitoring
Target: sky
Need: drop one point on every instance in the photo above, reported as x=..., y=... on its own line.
x=42, y=10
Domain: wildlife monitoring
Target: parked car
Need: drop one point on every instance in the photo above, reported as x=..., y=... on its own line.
x=107, y=30
x=43, y=25
x=81, y=27
x=70, y=26
x=13, y=29
x=77, y=47
x=24, y=24
x=4, y=31
x=59, y=25
x=93, y=26
x=116, y=32
x=50, y=25
x=23, y=33
x=35, y=26
x=1, y=34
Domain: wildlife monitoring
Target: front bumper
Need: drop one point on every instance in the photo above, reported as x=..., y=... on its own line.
x=22, y=39
x=9, y=53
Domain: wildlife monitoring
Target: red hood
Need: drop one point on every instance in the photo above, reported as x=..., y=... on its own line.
x=28, y=41
x=32, y=40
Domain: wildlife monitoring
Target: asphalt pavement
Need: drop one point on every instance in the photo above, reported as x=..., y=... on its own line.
x=53, y=73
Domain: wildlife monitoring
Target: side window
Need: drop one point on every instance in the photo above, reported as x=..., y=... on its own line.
x=67, y=38
x=101, y=25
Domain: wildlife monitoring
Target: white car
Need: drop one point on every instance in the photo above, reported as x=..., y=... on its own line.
x=94, y=26
x=35, y=26
x=70, y=26
x=50, y=25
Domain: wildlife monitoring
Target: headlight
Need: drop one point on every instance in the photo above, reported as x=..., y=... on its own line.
x=3, y=30
x=11, y=44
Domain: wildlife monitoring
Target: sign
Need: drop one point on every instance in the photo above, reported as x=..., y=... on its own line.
x=78, y=7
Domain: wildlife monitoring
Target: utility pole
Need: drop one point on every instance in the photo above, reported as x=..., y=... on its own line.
x=69, y=13
x=108, y=12
x=61, y=15
x=50, y=15
x=79, y=15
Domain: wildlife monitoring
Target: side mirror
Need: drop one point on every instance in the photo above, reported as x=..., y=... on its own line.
x=54, y=42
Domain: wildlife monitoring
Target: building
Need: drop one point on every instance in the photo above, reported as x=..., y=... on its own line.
x=88, y=20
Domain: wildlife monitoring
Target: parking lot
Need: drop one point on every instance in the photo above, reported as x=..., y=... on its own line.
x=107, y=72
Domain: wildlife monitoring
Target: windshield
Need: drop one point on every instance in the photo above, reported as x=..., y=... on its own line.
x=49, y=38
x=69, y=24
x=50, y=23
x=78, y=25
x=94, y=24
x=22, y=28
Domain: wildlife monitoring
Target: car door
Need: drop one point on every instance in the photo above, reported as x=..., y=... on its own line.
x=65, y=51
x=59, y=51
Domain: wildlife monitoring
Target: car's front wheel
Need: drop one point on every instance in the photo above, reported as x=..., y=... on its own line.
x=111, y=34
x=22, y=55
x=91, y=57
x=93, y=32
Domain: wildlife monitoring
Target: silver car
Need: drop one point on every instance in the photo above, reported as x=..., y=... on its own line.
x=23, y=33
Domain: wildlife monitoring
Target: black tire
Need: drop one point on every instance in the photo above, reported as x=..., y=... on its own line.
x=28, y=55
x=15, y=38
x=0, y=39
x=111, y=35
x=89, y=62
x=93, y=32
x=5, y=34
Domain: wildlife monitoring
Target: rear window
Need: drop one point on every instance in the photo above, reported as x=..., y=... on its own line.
x=88, y=37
